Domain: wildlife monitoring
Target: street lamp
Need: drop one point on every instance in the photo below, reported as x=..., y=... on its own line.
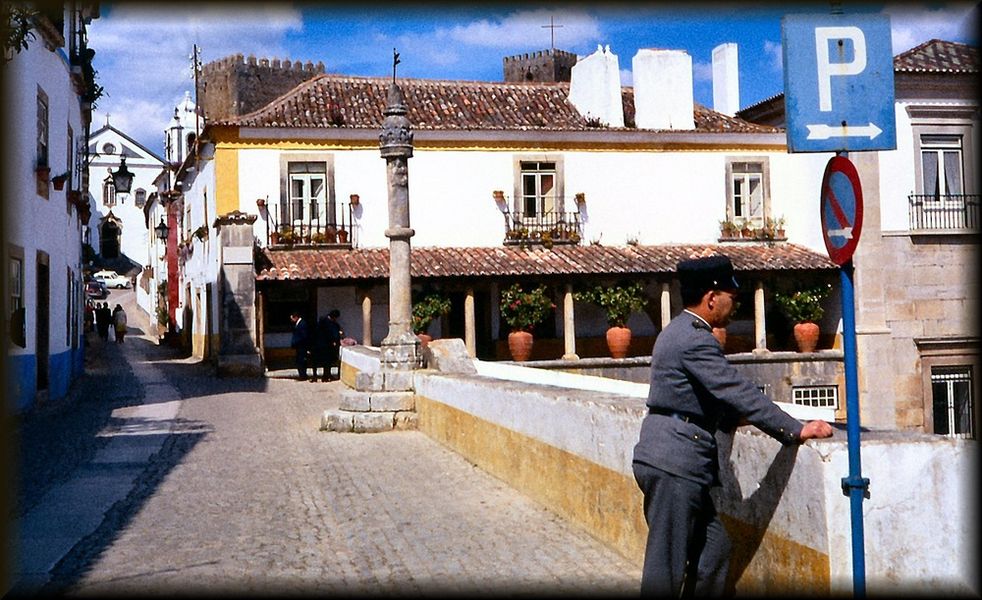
x=162, y=230
x=122, y=178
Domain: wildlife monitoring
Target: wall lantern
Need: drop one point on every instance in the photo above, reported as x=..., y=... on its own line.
x=122, y=178
x=162, y=230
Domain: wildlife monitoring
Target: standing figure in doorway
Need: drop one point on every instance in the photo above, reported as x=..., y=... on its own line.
x=119, y=323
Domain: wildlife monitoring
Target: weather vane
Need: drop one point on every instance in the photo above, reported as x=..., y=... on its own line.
x=395, y=61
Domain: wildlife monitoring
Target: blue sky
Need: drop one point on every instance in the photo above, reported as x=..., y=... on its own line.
x=142, y=50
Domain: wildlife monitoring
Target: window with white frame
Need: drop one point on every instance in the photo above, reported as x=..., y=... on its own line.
x=16, y=276
x=941, y=166
x=108, y=192
x=951, y=396
x=817, y=396
x=746, y=186
x=539, y=188
x=308, y=193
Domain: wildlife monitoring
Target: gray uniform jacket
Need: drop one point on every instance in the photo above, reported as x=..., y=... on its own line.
x=691, y=376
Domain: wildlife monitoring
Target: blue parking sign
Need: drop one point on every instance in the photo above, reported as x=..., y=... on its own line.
x=838, y=83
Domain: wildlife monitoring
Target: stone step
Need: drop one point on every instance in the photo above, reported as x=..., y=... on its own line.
x=361, y=401
x=344, y=421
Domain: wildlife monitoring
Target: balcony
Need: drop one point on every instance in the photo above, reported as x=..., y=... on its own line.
x=545, y=229
x=290, y=226
x=951, y=213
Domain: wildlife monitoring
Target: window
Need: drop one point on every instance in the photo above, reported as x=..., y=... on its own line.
x=42, y=128
x=108, y=148
x=17, y=322
x=951, y=397
x=69, y=157
x=307, y=189
x=819, y=396
x=941, y=166
x=108, y=192
x=746, y=189
x=538, y=189
x=140, y=198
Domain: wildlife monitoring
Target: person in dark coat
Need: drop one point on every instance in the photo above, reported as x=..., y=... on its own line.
x=694, y=391
x=327, y=344
x=103, y=320
x=300, y=342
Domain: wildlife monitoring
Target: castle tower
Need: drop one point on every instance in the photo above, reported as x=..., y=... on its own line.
x=543, y=66
x=235, y=85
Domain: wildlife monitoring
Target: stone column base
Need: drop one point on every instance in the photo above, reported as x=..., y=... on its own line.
x=371, y=412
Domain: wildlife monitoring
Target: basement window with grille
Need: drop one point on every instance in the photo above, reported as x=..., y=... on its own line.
x=817, y=396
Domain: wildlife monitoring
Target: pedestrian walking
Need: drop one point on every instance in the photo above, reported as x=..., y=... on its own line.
x=326, y=345
x=119, y=323
x=103, y=318
x=694, y=392
x=300, y=342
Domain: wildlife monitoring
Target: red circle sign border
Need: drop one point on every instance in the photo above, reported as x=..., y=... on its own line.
x=841, y=164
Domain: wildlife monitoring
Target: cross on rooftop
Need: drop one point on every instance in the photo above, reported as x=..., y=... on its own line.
x=552, y=32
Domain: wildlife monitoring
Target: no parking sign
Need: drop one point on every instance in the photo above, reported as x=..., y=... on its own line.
x=841, y=209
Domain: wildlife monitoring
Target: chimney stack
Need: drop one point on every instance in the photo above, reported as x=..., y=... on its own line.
x=595, y=88
x=663, y=89
x=726, y=82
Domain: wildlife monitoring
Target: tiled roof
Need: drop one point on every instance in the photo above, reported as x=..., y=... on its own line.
x=513, y=261
x=337, y=101
x=938, y=56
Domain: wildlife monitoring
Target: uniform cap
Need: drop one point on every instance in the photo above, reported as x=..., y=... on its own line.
x=707, y=273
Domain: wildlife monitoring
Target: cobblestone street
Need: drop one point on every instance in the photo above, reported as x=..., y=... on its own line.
x=243, y=494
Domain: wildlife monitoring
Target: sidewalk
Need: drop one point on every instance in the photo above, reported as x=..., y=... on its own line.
x=180, y=482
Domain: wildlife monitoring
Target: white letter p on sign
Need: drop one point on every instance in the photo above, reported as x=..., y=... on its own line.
x=827, y=68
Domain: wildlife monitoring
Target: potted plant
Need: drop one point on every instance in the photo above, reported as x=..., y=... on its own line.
x=728, y=229
x=522, y=311
x=425, y=311
x=318, y=237
x=804, y=308
x=288, y=236
x=746, y=231
x=618, y=302
x=342, y=236
x=779, y=228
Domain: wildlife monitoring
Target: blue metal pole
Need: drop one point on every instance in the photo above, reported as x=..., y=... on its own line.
x=855, y=485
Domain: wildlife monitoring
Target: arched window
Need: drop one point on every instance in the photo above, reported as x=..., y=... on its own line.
x=108, y=192
x=140, y=197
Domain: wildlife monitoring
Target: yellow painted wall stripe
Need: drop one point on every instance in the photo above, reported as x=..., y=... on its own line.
x=226, y=179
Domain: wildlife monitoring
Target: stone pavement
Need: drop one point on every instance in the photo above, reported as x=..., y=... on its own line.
x=158, y=477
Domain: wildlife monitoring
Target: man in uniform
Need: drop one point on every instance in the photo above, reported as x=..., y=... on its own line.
x=693, y=388
x=300, y=342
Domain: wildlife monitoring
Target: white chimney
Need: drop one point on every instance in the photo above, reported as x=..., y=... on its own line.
x=663, y=89
x=726, y=82
x=595, y=87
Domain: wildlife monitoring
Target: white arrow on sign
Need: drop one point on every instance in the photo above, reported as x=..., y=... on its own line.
x=845, y=232
x=824, y=132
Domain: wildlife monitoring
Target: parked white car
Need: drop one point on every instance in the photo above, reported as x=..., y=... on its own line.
x=112, y=279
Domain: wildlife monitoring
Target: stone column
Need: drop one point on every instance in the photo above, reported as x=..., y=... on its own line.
x=760, y=326
x=238, y=353
x=470, y=331
x=666, y=304
x=569, y=325
x=401, y=347
x=366, y=319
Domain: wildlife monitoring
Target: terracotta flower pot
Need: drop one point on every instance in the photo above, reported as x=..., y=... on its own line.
x=424, y=339
x=520, y=345
x=806, y=336
x=618, y=341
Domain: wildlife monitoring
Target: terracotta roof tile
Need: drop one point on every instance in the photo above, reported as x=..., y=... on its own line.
x=938, y=56
x=336, y=101
x=512, y=261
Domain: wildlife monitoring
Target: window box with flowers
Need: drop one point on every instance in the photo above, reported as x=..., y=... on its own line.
x=522, y=311
x=804, y=308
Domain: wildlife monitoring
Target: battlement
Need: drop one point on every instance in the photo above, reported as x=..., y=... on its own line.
x=238, y=84
x=542, y=66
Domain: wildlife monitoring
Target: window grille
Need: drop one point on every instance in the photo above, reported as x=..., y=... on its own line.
x=951, y=389
x=818, y=396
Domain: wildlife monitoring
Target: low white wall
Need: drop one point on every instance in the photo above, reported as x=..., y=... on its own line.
x=567, y=441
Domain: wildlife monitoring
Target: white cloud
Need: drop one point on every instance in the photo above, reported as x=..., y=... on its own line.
x=774, y=51
x=912, y=24
x=573, y=29
x=627, y=77
x=702, y=71
x=143, y=54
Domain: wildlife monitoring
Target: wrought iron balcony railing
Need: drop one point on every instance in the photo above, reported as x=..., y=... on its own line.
x=544, y=228
x=333, y=230
x=955, y=212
